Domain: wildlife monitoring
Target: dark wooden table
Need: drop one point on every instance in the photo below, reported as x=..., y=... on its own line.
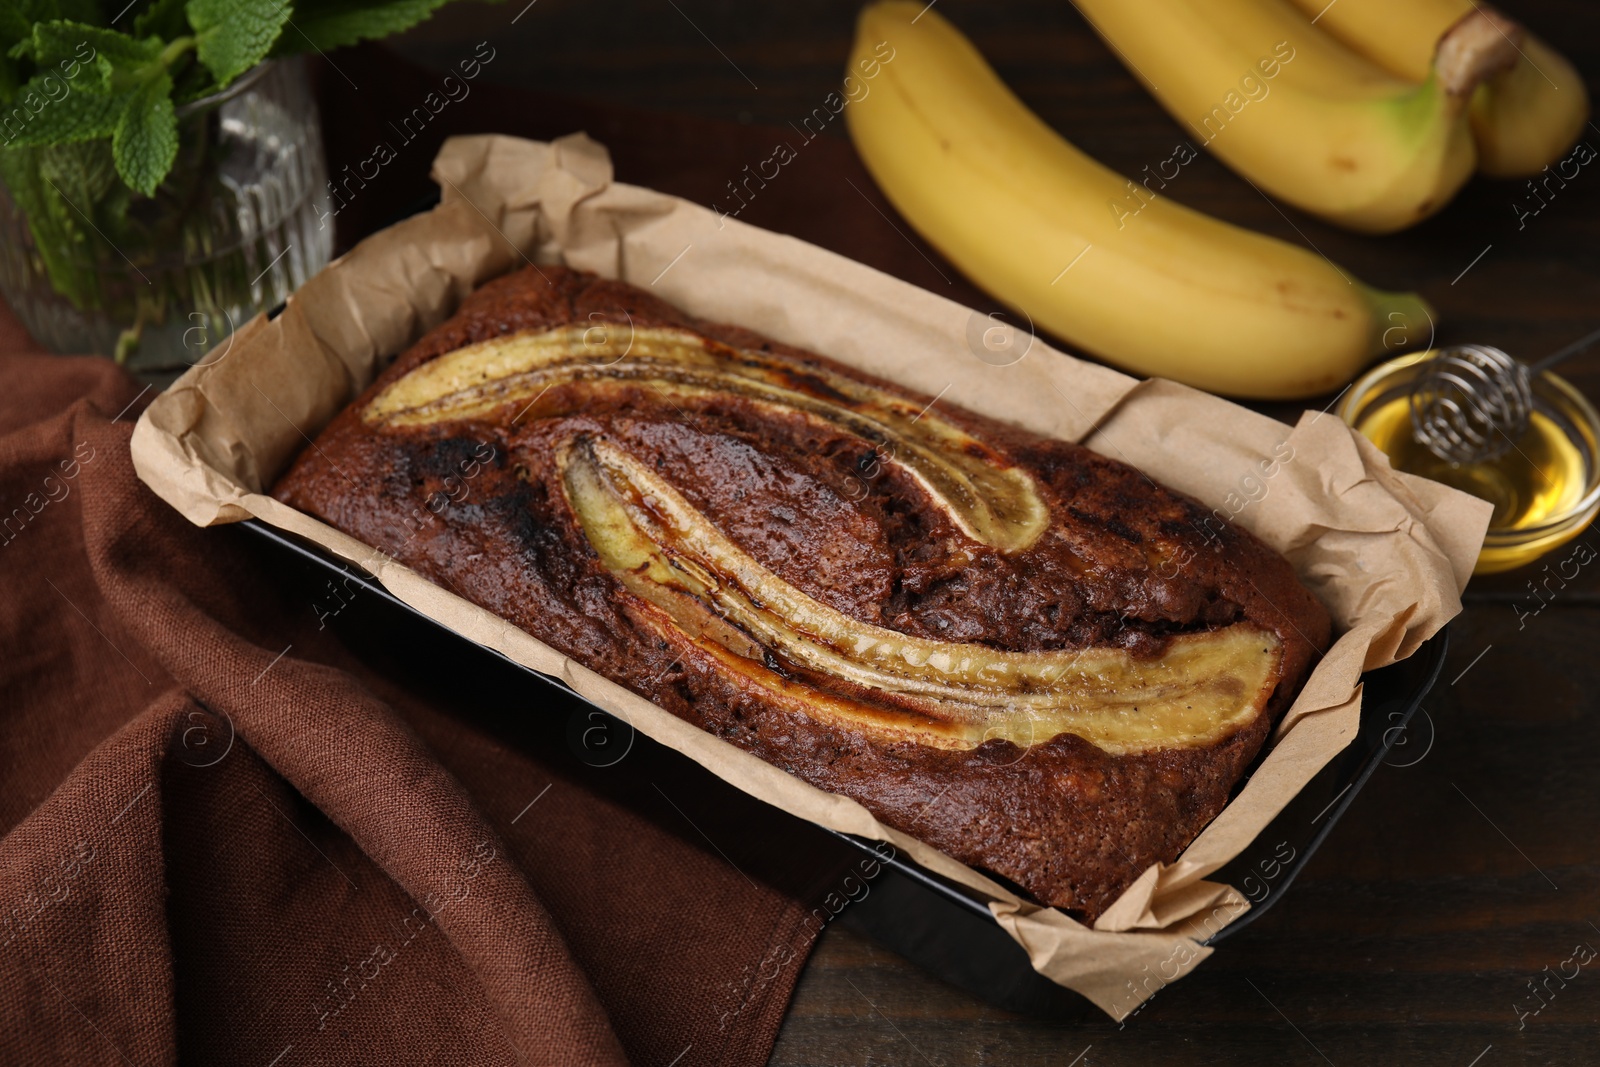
x=1452, y=881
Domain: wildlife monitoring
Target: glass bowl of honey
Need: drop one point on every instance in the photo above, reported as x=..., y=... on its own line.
x=1545, y=489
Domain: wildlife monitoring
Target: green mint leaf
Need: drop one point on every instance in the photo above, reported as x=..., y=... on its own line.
x=331, y=24
x=235, y=35
x=60, y=41
x=95, y=75
x=84, y=172
x=48, y=110
x=55, y=235
x=55, y=186
x=21, y=178
x=146, y=139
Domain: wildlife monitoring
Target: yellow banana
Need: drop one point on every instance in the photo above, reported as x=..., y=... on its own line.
x=1302, y=116
x=1523, y=119
x=1107, y=264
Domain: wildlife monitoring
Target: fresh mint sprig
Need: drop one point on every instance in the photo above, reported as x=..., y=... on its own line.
x=67, y=76
x=95, y=156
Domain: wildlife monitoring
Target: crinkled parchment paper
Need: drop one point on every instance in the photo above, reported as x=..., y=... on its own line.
x=1387, y=553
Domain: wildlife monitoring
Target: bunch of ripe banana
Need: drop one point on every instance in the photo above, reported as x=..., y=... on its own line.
x=1374, y=144
x=1523, y=118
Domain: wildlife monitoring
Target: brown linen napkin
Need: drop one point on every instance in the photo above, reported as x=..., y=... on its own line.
x=229, y=838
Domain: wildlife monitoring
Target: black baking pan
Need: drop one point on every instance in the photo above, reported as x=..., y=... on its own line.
x=948, y=931
x=939, y=925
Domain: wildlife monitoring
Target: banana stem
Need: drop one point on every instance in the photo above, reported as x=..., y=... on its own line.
x=1480, y=45
x=1477, y=48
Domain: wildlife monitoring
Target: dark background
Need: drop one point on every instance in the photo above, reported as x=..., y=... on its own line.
x=1452, y=881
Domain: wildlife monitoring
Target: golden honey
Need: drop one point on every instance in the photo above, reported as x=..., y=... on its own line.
x=1545, y=489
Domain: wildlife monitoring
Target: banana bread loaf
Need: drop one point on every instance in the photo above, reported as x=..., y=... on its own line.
x=1029, y=655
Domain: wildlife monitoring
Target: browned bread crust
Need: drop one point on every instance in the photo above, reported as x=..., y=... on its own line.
x=477, y=504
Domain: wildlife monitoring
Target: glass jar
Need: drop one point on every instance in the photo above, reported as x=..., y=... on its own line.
x=155, y=282
x=1545, y=490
